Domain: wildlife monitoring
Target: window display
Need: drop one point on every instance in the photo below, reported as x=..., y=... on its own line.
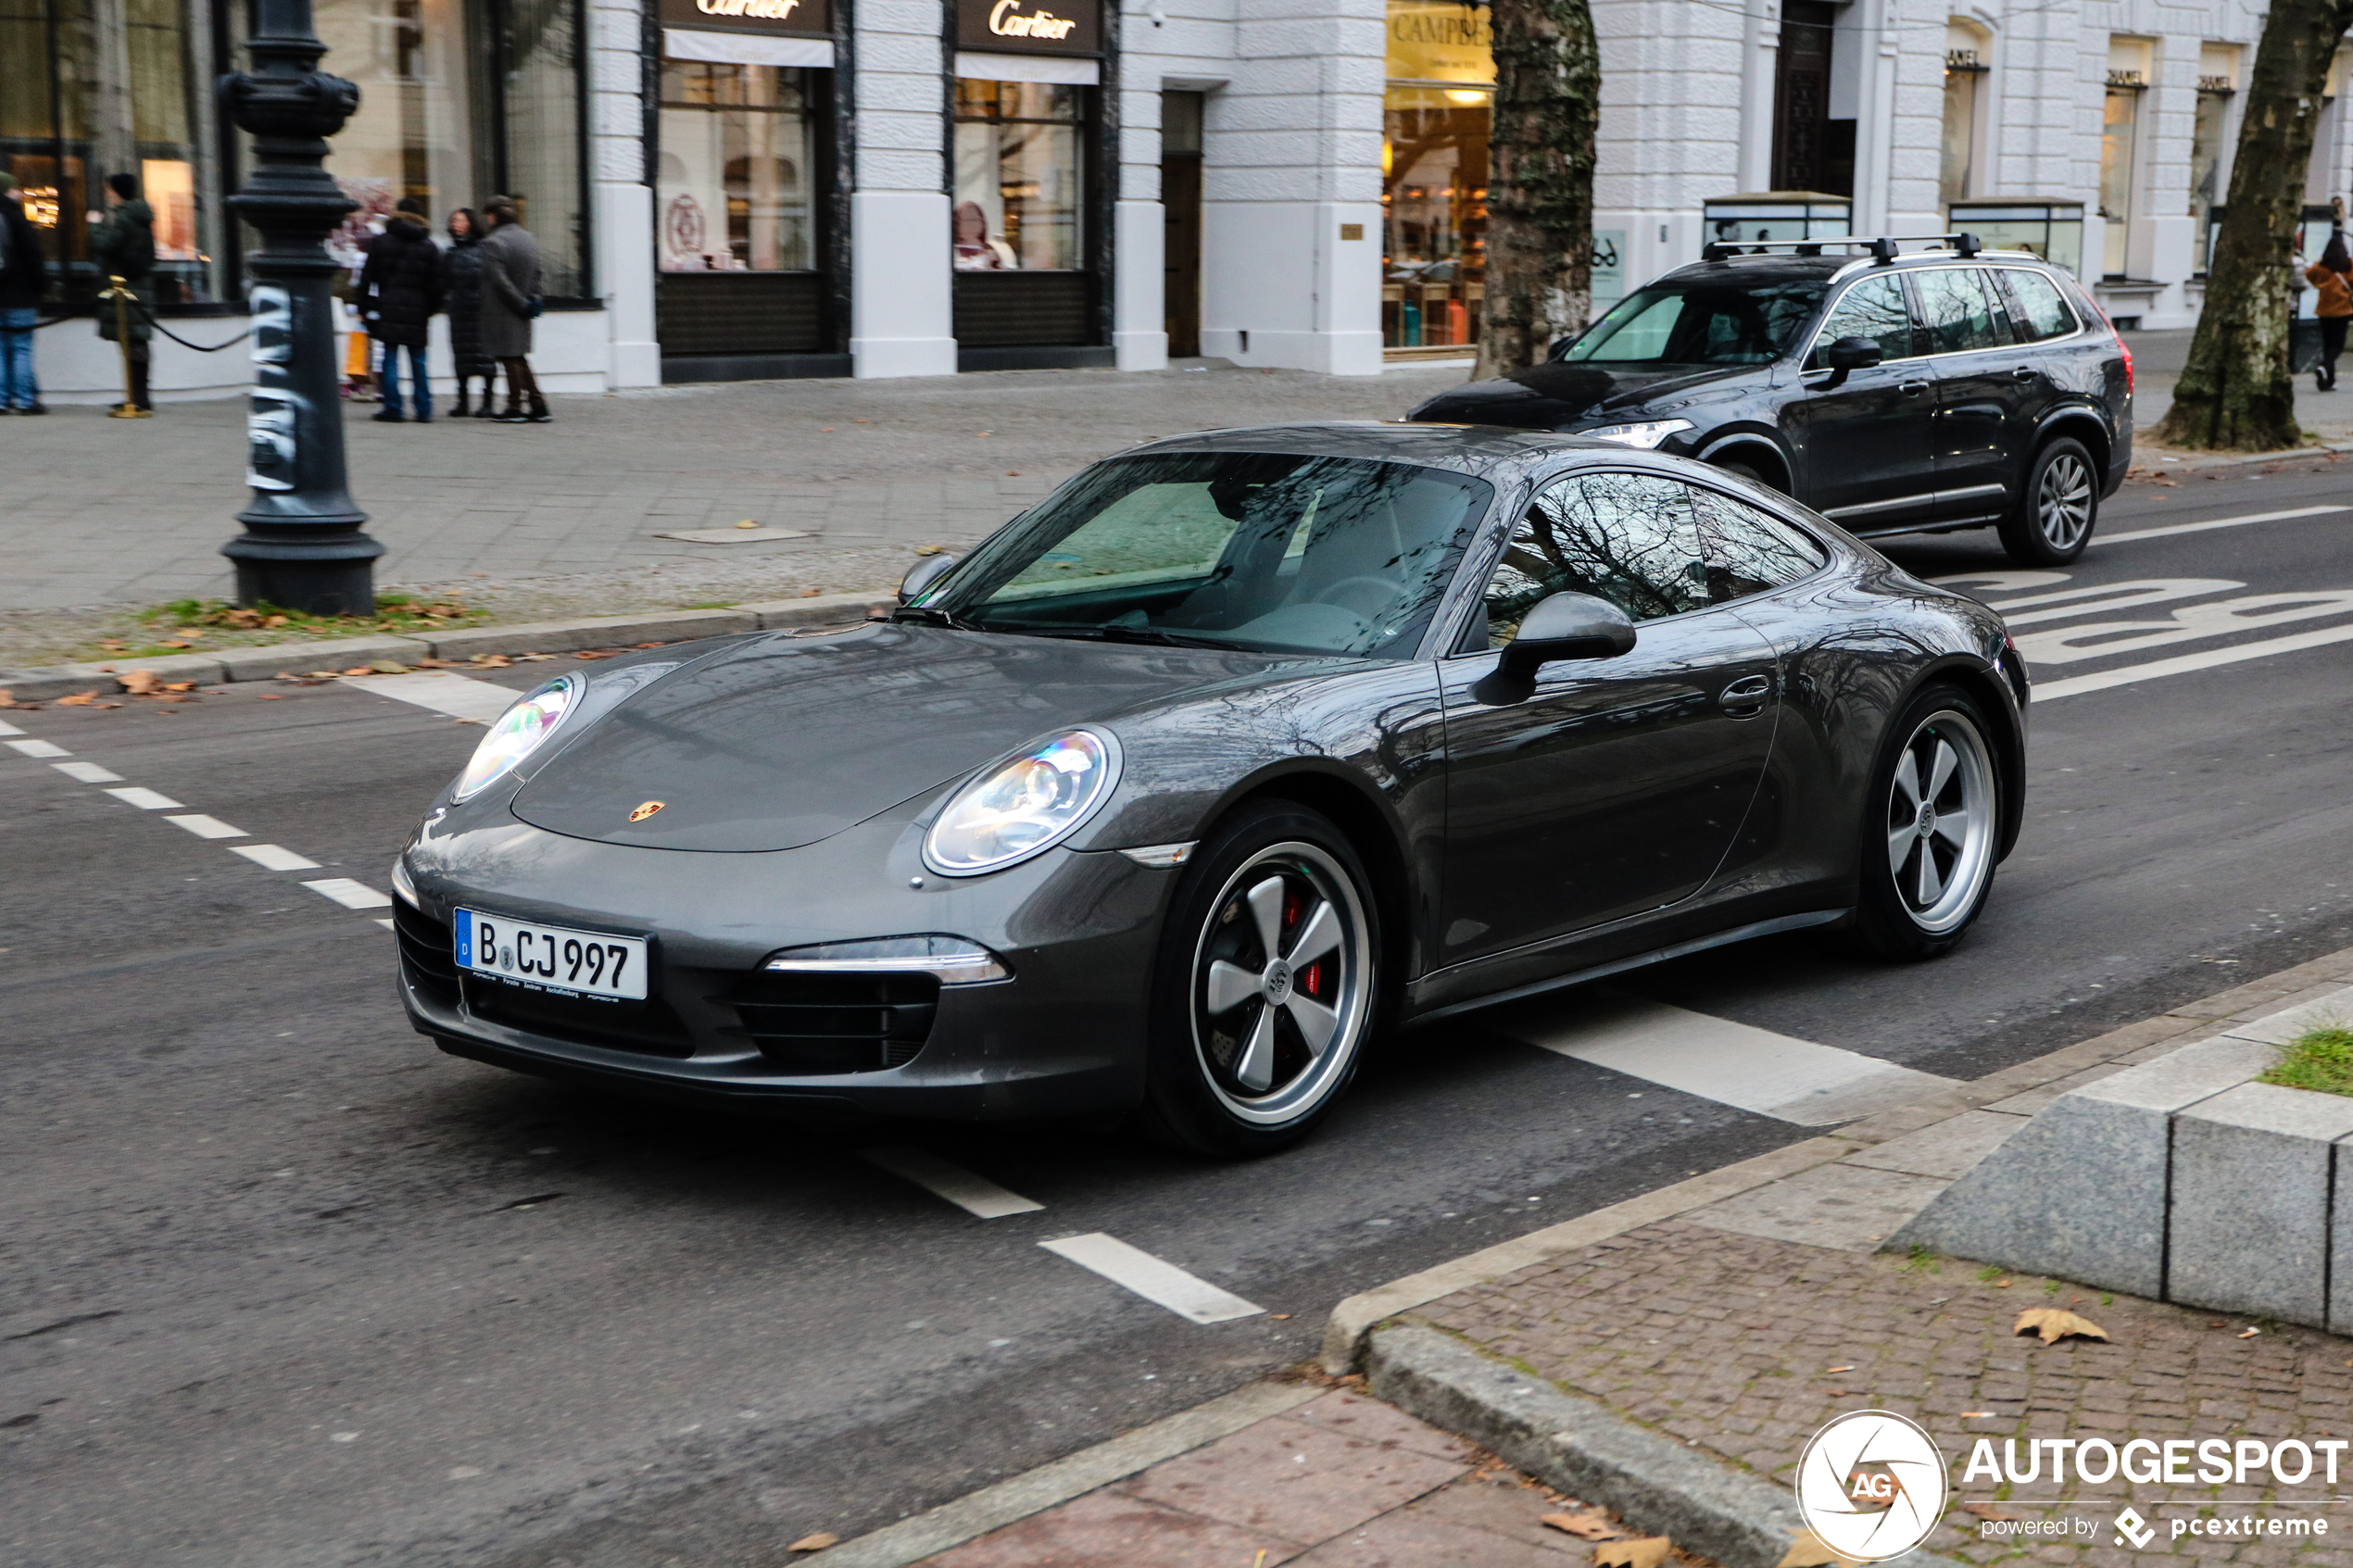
x=1020, y=176
x=735, y=183
x=1436, y=111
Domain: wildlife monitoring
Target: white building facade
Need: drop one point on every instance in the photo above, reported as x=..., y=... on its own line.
x=732, y=189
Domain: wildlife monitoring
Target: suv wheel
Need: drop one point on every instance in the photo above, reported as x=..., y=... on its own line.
x=2053, y=519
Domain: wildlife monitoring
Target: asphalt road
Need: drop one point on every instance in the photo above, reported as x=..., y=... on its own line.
x=280, y=1284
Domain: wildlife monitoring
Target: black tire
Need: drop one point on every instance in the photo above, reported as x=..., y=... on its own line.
x=1904, y=911
x=1212, y=1085
x=2057, y=507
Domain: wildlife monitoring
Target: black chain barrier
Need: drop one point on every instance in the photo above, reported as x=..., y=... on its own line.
x=140, y=306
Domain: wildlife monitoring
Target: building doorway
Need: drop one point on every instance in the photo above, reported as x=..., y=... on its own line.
x=1811, y=150
x=1181, y=116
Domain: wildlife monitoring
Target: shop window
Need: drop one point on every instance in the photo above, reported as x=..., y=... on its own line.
x=736, y=182
x=1437, y=109
x=2218, y=72
x=1020, y=176
x=538, y=48
x=2129, y=65
x=1967, y=48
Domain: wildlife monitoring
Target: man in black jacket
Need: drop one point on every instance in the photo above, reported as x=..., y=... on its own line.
x=24, y=278
x=399, y=293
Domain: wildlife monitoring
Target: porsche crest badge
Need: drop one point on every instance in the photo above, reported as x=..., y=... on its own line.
x=648, y=809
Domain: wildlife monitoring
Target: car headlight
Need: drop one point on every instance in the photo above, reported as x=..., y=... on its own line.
x=1645, y=435
x=518, y=732
x=1014, y=810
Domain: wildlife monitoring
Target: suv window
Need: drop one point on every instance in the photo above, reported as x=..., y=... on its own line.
x=1629, y=538
x=1872, y=307
x=1957, y=310
x=1747, y=551
x=1700, y=321
x=2040, y=311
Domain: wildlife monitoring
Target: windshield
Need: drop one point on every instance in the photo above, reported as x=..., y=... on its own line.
x=1226, y=549
x=1701, y=321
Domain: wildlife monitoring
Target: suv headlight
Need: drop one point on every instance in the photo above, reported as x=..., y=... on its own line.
x=1022, y=806
x=516, y=734
x=1645, y=435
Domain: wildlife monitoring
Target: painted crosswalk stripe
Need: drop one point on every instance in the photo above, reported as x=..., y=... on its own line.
x=145, y=798
x=88, y=772
x=349, y=894
x=388, y=925
x=1716, y=1059
x=1162, y=1284
x=269, y=857
x=2189, y=663
x=36, y=748
x=974, y=1195
x=205, y=827
x=2132, y=534
x=8, y=728
x=460, y=697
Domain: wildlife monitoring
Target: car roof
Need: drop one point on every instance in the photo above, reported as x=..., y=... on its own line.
x=1484, y=450
x=1751, y=272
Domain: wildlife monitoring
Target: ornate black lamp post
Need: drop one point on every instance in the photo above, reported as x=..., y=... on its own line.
x=302, y=547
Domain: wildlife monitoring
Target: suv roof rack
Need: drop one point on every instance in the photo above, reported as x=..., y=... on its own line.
x=1883, y=248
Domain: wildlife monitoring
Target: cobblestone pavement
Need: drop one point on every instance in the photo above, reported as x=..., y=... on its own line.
x=546, y=521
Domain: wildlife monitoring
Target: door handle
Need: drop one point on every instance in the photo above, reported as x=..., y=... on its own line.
x=1913, y=388
x=2024, y=372
x=1745, y=698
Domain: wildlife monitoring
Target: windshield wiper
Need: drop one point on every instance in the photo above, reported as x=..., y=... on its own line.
x=1149, y=635
x=930, y=617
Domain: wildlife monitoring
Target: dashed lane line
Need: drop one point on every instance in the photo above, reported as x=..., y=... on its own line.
x=460, y=697
x=145, y=798
x=2131, y=535
x=205, y=827
x=36, y=748
x=349, y=894
x=88, y=772
x=8, y=728
x=271, y=858
x=974, y=1195
x=1162, y=1284
x=1735, y=1064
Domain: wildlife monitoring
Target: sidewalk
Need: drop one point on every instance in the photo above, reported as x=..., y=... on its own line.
x=547, y=521
x=1713, y=1327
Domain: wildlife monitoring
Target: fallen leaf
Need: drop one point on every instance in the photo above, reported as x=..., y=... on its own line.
x=1977, y=1415
x=595, y=654
x=80, y=700
x=359, y=670
x=1279, y=1317
x=491, y=661
x=274, y=620
x=1591, y=1526
x=1647, y=1551
x=140, y=682
x=809, y=593
x=647, y=644
x=9, y=701
x=2003, y=1284
x=1839, y=1369
x=1012, y=473
x=1807, y=1549
x=2250, y=1334
x=1986, y=1510
x=930, y=549
x=2055, y=1323
x=270, y=696
x=179, y=685
x=388, y=667
x=817, y=1542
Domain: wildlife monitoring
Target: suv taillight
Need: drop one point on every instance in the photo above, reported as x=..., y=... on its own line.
x=2120, y=348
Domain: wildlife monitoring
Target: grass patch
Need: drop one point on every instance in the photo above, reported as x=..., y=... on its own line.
x=185, y=624
x=1921, y=1259
x=2320, y=1060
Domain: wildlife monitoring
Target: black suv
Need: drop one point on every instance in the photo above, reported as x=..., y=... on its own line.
x=1894, y=393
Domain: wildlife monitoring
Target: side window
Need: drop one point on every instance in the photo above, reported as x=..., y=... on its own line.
x=1629, y=538
x=1746, y=551
x=1955, y=309
x=2040, y=310
x=1872, y=308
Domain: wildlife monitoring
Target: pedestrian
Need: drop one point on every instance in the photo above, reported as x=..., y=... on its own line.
x=124, y=247
x=399, y=293
x=2332, y=276
x=24, y=278
x=510, y=303
x=462, y=297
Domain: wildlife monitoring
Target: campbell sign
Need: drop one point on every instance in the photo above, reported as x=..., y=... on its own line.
x=1030, y=26
x=804, y=19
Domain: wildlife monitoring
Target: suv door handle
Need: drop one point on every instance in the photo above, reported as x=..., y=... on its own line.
x=1745, y=698
x=2024, y=372
x=1913, y=388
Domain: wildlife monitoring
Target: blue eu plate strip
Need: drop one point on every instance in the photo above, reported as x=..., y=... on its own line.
x=465, y=939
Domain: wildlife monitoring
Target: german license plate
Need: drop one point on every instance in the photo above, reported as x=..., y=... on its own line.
x=549, y=958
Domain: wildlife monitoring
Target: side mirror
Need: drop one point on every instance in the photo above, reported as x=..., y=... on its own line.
x=922, y=574
x=1850, y=354
x=1561, y=627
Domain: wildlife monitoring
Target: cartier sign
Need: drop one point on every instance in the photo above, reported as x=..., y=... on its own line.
x=784, y=18
x=1029, y=27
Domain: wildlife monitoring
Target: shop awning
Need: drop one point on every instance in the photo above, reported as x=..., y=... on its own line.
x=749, y=48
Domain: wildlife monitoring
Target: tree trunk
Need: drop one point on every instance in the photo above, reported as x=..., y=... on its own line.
x=1540, y=188
x=2237, y=393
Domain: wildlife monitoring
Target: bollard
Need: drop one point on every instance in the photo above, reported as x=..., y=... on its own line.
x=121, y=295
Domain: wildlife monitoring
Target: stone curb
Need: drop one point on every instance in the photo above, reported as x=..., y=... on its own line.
x=47, y=682
x=1655, y=1483
x=2189, y=457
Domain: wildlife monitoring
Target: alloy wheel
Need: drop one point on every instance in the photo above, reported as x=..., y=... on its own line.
x=2063, y=501
x=1940, y=822
x=1282, y=984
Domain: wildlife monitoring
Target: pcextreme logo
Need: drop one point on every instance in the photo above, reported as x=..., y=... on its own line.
x=1871, y=1485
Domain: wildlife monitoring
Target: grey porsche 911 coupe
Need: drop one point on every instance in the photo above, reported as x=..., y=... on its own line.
x=1236, y=749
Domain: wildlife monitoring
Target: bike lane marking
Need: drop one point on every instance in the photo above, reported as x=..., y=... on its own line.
x=2130, y=534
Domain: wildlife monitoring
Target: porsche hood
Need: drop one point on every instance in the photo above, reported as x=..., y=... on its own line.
x=781, y=742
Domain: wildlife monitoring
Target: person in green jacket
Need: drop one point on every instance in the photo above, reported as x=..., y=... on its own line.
x=124, y=247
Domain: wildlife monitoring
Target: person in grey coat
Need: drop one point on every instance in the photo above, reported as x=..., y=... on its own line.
x=510, y=301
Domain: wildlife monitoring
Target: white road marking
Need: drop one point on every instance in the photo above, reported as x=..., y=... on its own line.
x=2095, y=599
x=8, y=728
x=386, y=924
x=1716, y=1059
x=144, y=798
x=2189, y=663
x=976, y=1196
x=349, y=894
x=205, y=827
x=1162, y=1284
x=460, y=697
x=36, y=748
x=88, y=772
x=269, y=857
x=2132, y=534
x=2221, y=618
